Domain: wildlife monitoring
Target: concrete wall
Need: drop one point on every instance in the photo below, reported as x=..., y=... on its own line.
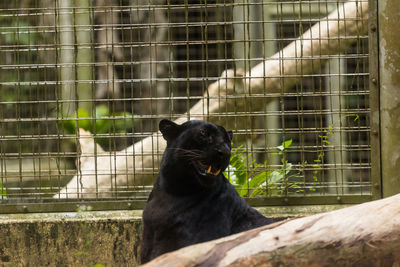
x=389, y=80
x=91, y=238
x=70, y=239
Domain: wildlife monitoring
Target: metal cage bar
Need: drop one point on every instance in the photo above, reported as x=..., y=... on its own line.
x=115, y=68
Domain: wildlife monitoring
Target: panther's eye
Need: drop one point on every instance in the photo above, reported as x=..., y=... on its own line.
x=205, y=136
x=203, y=133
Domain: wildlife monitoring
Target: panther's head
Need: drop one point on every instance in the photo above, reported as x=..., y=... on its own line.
x=202, y=149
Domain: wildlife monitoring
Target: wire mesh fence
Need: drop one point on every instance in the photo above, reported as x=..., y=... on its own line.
x=289, y=79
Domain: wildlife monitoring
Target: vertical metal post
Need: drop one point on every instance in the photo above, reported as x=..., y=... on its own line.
x=241, y=35
x=67, y=69
x=373, y=48
x=255, y=17
x=389, y=82
x=335, y=83
x=271, y=122
x=84, y=58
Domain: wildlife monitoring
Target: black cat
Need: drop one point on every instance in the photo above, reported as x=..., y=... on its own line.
x=192, y=201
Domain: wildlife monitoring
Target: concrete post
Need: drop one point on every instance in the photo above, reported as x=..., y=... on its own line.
x=84, y=54
x=66, y=50
x=389, y=71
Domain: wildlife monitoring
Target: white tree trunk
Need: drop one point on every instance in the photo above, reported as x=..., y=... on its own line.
x=362, y=235
x=100, y=175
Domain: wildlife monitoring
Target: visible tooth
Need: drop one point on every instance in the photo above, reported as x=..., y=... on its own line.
x=209, y=170
x=217, y=172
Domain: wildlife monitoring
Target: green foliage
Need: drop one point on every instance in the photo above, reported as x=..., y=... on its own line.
x=275, y=182
x=19, y=32
x=324, y=140
x=254, y=182
x=116, y=122
x=105, y=122
x=3, y=192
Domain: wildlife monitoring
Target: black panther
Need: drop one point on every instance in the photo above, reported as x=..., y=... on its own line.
x=192, y=201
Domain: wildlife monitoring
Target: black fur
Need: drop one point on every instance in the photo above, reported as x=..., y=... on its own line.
x=187, y=204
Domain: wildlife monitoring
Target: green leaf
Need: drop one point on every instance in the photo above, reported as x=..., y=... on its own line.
x=284, y=145
x=257, y=180
x=82, y=121
x=68, y=126
x=326, y=142
x=356, y=117
x=102, y=111
x=275, y=177
x=3, y=191
x=288, y=167
x=240, y=168
x=258, y=191
x=121, y=125
x=102, y=126
x=287, y=143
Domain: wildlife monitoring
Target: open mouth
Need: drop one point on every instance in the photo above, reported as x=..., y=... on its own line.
x=205, y=169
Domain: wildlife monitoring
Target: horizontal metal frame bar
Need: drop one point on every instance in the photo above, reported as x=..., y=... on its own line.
x=99, y=205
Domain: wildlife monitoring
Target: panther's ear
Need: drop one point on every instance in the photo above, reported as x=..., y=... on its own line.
x=230, y=134
x=169, y=129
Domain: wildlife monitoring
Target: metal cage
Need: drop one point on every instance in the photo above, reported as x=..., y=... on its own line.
x=84, y=83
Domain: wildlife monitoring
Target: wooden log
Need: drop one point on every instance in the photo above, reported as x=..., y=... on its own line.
x=99, y=176
x=363, y=235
